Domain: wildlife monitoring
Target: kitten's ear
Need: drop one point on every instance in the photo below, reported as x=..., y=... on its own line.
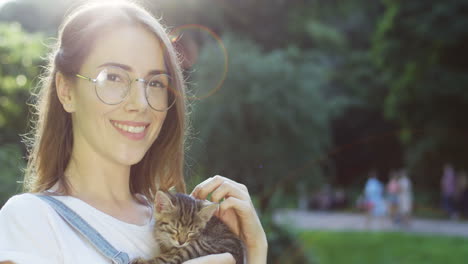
x=162, y=203
x=207, y=211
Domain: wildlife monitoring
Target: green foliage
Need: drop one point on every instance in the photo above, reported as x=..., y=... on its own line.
x=10, y=171
x=268, y=125
x=384, y=248
x=362, y=138
x=324, y=34
x=333, y=25
x=263, y=21
x=422, y=51
x=19, y=56
x=36, y=16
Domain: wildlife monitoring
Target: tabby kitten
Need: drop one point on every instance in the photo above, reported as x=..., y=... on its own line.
x=185, y=228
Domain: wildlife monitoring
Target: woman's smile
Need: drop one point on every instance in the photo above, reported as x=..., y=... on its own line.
x=131, y=130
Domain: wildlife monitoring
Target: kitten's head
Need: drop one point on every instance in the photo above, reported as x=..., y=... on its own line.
x=180, y=218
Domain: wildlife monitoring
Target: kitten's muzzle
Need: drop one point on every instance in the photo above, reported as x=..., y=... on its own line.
x=181, y=241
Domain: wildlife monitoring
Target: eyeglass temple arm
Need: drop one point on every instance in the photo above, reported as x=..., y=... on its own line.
x=86, y=78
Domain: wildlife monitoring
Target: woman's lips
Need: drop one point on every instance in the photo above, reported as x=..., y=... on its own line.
x=131, y=129
x=131, y=123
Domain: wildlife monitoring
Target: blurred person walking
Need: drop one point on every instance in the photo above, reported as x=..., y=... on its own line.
x=393, y=189
x=373, y=192
x=405, y=198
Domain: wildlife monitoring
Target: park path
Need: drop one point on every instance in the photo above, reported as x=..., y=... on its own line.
x=315, y=220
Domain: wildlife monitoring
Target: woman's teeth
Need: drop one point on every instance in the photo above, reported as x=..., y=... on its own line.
x=131, y=129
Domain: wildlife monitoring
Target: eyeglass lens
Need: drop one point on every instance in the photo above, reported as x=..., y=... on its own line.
x=113, y=85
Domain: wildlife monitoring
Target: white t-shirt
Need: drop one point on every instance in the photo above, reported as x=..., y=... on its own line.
x=31, y=232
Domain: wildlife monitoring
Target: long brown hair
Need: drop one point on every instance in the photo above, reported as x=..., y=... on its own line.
x=51, y=138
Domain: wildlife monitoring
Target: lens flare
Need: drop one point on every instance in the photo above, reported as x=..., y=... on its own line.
x=177, y=35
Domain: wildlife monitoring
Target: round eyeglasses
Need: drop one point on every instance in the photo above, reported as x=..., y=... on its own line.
x=112, y=86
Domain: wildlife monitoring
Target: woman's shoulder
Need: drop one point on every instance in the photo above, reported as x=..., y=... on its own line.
x=23, y=204
x=27, y=231
x=26, y=210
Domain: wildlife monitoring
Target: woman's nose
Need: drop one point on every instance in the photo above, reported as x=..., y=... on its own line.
x=137, y=94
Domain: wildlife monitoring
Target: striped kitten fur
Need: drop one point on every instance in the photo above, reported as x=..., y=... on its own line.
x=186, y=228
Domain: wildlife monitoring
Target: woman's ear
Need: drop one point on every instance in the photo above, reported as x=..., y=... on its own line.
x=64, y=92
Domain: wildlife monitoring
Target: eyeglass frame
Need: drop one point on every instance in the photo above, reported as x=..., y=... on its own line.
x=94, y=81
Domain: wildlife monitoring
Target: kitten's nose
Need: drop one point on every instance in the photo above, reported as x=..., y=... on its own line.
x=181, y=241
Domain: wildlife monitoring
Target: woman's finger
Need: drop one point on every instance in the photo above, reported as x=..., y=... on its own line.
x=242, y=207
x=226, y=190
x=201, y=186
x=197, y=188
x=206, y=187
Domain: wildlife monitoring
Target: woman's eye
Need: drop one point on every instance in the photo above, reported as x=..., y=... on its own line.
x=114, y=77
x=156, y=84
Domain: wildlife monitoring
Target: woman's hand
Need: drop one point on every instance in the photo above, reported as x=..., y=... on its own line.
x=238, y=213
x=225, y=258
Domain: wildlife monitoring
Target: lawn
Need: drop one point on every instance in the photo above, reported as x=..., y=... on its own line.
x=330, y=247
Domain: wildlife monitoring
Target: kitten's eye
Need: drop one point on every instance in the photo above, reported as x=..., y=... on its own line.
x=173, y=231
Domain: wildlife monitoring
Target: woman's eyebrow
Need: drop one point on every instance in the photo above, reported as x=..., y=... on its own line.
x=115, y=64
x=156, y=72
x=129, y=69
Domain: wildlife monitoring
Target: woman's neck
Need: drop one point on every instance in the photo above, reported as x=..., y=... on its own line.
x=99, y=180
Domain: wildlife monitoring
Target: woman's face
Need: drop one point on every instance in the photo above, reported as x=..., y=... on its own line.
x=99, y=126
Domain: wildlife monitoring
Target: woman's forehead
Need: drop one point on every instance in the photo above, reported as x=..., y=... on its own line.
x=133, y=46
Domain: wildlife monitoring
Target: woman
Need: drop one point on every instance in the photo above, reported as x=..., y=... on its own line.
x=373, y=194
x=405, y=198
x=393, y=190
x=109, y=133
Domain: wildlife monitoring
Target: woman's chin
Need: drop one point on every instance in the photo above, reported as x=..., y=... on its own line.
x=128, y=159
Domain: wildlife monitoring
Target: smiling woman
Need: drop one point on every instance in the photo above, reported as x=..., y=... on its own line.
x=98, y=106
x=109, y=134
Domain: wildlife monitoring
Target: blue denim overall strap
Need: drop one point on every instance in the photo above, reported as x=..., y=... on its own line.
x=86, y=230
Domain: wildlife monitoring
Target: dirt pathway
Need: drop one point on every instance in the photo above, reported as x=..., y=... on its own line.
x=348, y=221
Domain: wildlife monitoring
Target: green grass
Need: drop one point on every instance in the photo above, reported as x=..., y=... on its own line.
x=329, y=247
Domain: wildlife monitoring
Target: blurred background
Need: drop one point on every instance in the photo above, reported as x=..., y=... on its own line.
x=344, y=118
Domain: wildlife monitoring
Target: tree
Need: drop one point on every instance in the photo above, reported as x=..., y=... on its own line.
x=342, y=31
x=268, y=125
x=36, y=16
x=421, y=46
x=20, y=56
